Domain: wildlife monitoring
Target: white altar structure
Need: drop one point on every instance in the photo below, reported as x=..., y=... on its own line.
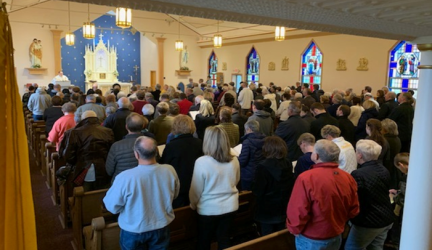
x=101, y=66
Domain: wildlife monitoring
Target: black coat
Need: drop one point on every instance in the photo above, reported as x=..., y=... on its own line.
x=117, y=122
x=373, y=183
x=320, y=121
x=274, y=180
x=361, y=126
x=240, y=120
x=347, y=129
x=386, y=109
x=290, y=130
x=309, y=118
x=202, y=122
x=250, y=156
x=332, y=109
x=403, y=115
x=51, y=115
x=181, y=153
x=395, y=148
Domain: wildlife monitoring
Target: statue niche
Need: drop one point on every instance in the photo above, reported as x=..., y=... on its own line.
x=101, y=63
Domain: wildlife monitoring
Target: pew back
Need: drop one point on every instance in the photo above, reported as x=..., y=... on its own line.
x=282, y=240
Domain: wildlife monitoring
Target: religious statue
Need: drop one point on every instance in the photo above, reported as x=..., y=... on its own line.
x=35, y=52
x=285, y=63
x=253, y=65
x=363, y=64
x=271, y=66
x=213, y=64
x=412, y=64
x=341, y=65
x=184, y=57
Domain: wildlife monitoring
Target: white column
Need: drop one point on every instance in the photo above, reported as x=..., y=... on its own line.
x=417, y=219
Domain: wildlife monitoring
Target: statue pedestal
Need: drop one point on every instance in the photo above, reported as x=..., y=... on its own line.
x=183, y=72
x=36, y=71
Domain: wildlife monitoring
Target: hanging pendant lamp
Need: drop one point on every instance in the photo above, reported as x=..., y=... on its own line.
x=179, y=42
x=70, y=36
x=89, y=29
x=279, y=33
x=217, y=39
x=123, y=17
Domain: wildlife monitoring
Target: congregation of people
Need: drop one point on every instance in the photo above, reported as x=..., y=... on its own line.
x=330, y=167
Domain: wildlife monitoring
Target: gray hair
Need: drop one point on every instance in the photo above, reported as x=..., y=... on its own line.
x=149, y=95
x=252, y=125
x=330, y=130
x=148, y=109
x=121, y=94
x=69, y=107
x=110, y=110
x=390, y=126
x=145, y=147
x=91, y=98
x=337, y=98
x=327, y=150
x=158, y=86
x=87, y=114
x=295, y=107
x=123, y=102
x=370, y=150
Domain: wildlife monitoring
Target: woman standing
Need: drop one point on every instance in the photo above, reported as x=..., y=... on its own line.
x=213, y=192
x=274, y=180
x=204, y=118
x=369, y=112
x=373, y=130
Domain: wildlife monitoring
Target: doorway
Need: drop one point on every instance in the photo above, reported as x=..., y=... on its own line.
x=153, y=79
x=237, y=79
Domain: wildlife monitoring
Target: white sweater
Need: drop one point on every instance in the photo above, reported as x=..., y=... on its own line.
x=213, y=189
x=347, y=156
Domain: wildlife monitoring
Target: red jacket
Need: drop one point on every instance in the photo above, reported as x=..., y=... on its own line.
x=184, y=105
x=324, y=198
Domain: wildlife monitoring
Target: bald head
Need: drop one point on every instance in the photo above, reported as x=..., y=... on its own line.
x=87, y=114
x=145, y=149
x=123, y=102
x=135, y=123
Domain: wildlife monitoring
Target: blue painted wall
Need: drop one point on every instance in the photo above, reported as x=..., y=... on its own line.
x=128, y=51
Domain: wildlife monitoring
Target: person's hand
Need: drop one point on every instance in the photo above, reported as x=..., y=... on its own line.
x=393, y=191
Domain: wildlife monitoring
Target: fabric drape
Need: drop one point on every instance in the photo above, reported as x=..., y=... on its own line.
x=17, y=219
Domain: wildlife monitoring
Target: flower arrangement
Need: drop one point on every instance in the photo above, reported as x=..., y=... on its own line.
x=36, y=66
x=184, y=68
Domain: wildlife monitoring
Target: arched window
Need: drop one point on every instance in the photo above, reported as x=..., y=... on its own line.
x=311, y=68
x=403, y=73
x=212, y=69
x=252, y=66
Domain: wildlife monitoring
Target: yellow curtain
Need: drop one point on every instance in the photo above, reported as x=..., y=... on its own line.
x=17, y=220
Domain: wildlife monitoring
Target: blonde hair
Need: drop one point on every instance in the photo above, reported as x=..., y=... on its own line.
x=216, y=144
x=206, y=108
x=390, y=127
x=183, y=124
x=369, y=104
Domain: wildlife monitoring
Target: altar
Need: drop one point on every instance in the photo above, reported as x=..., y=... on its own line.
x=101, y=66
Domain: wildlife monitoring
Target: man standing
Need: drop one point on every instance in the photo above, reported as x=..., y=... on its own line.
x=117, y=121
x=387, y=107
x=245, y=98
x=323, y=199
x=291, y=129
x=60, y=77
x=87, y=147
x=143, y=197
x=370, y=226
x=403, y=115
x=322, y=118
x=262, y=117
x=347, y=156
x=90, y=105
x=38, y=102
x=161, y=126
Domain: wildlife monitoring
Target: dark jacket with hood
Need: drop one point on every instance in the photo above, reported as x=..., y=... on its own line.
x=249, y=157
x=265, y=121
x=361, y=126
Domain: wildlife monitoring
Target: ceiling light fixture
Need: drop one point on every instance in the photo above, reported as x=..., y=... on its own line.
x=279, y=33
x=123, y=17
x=179, y=42
x=217, y=39
x=70, y=36
x=89, y=29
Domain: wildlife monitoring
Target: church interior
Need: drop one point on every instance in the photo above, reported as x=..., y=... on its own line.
x=335, y=44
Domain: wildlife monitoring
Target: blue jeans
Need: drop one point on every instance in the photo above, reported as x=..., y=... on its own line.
x=366, y=238
x=303, y=243
x=155, y=240
x=38, y=117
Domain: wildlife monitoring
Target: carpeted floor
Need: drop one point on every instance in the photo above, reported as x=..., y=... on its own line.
x=50, y=233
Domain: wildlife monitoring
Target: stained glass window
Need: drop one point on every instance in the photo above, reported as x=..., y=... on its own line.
x=212, y=69
x=403, y=72
x=252, y=66
x=311, y=67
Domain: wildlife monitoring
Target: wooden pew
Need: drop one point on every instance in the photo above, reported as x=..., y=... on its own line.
x=244, y=222
x=56, y=163
x=84, y=206
x=41, y=146
x=49, y=150
x=32, y=138
x=183, y=232
x=282, y=240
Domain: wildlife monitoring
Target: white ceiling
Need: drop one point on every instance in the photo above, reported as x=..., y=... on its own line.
x=392, y=19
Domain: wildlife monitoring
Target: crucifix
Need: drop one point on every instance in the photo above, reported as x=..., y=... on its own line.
x=136, y=69
x=100, y=36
